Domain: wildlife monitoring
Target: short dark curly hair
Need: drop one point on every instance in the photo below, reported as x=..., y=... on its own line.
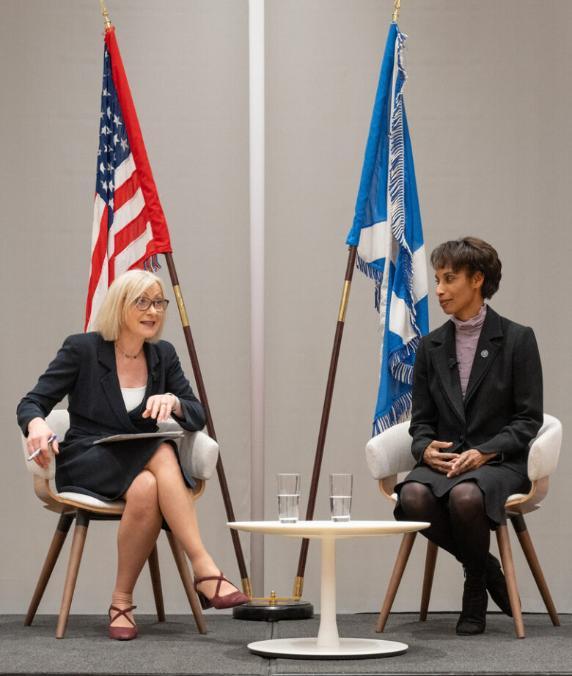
x=473, y=255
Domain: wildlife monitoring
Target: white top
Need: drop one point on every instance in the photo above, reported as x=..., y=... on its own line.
x=330, y=529
x=133, y=396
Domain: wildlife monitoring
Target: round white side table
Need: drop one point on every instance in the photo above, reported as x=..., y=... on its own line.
x=328, y=644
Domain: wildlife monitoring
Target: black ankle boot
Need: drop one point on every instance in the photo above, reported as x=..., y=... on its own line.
x=496, y=585
x=473, y=615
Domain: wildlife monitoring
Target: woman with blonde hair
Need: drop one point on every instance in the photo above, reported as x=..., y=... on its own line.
x=122, y=379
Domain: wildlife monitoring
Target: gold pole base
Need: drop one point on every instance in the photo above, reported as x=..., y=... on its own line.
x=274, y=608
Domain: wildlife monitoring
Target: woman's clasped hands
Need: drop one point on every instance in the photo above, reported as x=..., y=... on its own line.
x=453, y=464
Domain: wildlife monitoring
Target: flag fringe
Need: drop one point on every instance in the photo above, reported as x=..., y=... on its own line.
x=152, y=264
x=399, y=412
x=396, y=182
x=373, y=273
x=400, y=370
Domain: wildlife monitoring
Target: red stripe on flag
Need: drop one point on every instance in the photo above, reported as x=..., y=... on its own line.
x=97, y=258
x=162, y=243
x=126, y=191
x=130, y=232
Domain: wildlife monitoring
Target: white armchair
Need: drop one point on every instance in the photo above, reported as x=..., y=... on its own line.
x=389, y=457
x=197, y=451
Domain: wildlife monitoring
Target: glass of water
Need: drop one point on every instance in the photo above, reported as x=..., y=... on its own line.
x=288, y=486
x=341, y=496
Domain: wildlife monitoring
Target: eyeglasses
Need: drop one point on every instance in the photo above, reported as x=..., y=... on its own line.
x=142, y=303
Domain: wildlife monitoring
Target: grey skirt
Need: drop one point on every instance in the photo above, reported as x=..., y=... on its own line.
x=496, y=482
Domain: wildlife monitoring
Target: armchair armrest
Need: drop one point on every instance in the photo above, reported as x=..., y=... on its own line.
x=198, y=452
x=389, y=453
x=545, y=449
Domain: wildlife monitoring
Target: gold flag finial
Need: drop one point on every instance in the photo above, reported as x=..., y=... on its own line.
x=105, y=14
x=396, y=8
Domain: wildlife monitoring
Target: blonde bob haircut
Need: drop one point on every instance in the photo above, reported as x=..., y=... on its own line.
x=121, y=295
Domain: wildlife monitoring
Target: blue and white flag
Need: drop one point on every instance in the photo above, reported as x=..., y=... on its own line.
x=388, y=234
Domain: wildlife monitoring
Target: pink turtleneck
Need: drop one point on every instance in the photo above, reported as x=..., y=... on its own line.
x=467, y=335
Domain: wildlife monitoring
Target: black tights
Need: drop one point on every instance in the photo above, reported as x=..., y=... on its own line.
x=459, y=522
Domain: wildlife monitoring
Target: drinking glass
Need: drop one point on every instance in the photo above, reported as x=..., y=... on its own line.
x=288, y=486
x=341, y=496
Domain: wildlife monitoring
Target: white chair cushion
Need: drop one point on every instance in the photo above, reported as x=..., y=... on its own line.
x=88, y=501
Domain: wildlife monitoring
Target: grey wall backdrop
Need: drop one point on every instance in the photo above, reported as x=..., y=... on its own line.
x=488, y=99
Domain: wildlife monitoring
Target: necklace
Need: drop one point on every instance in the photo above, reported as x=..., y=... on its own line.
x=125, y=354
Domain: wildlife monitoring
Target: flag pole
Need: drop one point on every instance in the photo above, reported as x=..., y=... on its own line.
x=299, y=581
x=246, y=585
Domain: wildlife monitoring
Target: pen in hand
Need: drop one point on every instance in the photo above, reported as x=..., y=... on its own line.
x=37, y=452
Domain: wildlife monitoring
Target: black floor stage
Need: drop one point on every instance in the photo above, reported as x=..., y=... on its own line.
x=174, y=647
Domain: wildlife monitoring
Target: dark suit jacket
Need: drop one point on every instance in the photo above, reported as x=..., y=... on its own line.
x=502, y=409
x=85, y=370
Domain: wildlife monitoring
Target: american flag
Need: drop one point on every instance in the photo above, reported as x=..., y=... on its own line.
x=129, y=226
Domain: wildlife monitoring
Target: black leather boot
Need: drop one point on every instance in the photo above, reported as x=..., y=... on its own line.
x=496, y=585
x=473, y=615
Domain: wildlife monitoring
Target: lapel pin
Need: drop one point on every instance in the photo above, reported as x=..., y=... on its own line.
x=485, y=353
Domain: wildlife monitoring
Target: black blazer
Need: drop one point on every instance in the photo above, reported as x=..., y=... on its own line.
x=502, y=409
x=85, y=370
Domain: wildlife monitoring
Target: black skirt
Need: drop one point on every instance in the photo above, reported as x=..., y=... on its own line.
x=105, y=471
x=496, y=481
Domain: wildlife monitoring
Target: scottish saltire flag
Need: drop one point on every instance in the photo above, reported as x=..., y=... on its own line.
x=129, y=226
x=388, y=234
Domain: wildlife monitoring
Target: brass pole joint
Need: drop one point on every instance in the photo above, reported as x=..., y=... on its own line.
x=396, y=8
x=298, y=586
x=344, y=301
x=181, y=305
x=247, y=587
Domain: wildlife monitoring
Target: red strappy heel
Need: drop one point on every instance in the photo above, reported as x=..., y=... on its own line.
x=122, y=633
x=236, y=598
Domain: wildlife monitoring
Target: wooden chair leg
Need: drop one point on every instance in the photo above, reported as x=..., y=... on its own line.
x=78, y=542
x=430, y=561
x=155, y=572
x=187, y=580
x=528, y=548
x=395, y=580
x=510, y=575
x=56, y=545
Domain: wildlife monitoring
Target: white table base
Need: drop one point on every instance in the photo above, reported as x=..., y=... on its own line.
x=328, y=644
x=346, y=649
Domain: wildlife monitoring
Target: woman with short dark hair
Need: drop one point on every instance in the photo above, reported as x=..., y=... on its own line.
x=477, y=405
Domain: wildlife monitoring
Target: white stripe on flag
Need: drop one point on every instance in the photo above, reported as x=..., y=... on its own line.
x=373, y=242
x=419, y=264
x=127, y=213
x=134, y=252
x=98, y=209
x=98, y=294
x=124, y=171
x=399, y=319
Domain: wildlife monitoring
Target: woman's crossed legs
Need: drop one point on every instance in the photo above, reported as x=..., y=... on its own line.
x=158, y=492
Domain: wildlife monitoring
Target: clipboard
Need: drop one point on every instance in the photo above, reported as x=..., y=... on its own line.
x=141, y=435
